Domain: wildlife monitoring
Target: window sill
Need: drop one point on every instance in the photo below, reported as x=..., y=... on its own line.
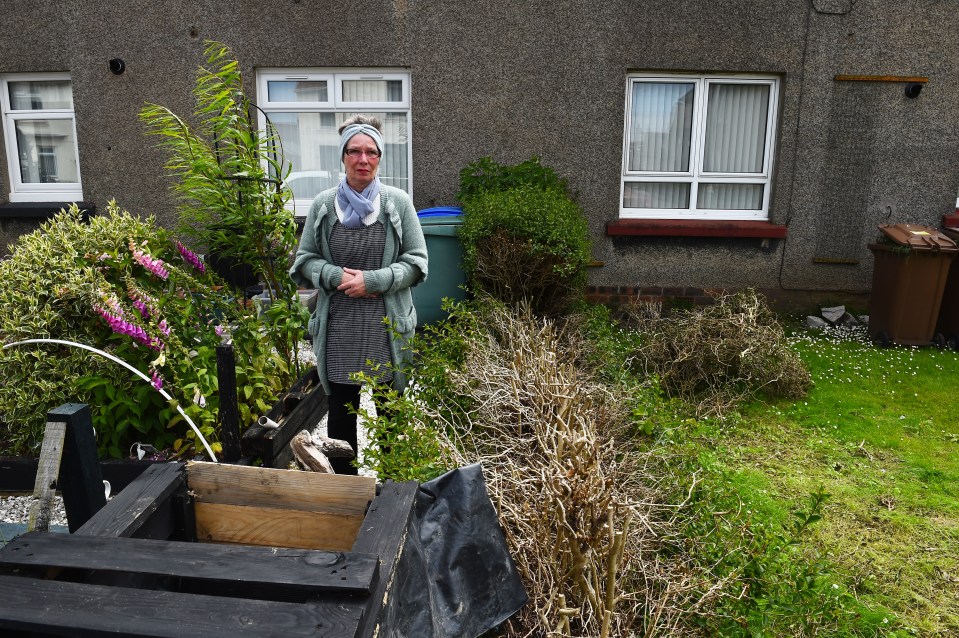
x=42, y=210
x=693, y=228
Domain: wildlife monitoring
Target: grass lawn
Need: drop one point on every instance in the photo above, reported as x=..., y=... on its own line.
x=879, y=432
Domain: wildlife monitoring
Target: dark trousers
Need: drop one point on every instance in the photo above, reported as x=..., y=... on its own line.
x=341, y=421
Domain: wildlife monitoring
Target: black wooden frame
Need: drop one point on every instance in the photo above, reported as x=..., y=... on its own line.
x=114, y=577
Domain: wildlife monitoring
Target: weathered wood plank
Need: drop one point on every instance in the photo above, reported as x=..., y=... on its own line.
x=273, y=527
x=80, y=480
x=383, y=532
x=130, y=512
x=63, y=608
x=282, y=489
x=259, y=572
x=45, y=486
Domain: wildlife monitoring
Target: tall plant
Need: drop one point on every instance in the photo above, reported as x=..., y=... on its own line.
x=230, y=185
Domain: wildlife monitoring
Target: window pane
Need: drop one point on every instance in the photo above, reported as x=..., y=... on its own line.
x=40, y=95
x=736, y=128
x=652, y=195
x=660, y=126
x=47, y=151
x=311, y=143
x=372, y=90
x=730, y=197
x=297, y=91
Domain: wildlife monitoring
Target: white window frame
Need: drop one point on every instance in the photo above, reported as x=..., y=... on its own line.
x=695, y=175
x=335, y=103
x=28, y=192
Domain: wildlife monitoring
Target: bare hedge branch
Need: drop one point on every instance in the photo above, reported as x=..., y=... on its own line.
x=719, y=356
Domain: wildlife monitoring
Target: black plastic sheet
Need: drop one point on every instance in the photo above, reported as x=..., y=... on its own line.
x=455, y=578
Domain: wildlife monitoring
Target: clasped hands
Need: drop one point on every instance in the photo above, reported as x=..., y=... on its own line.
x=353, y=284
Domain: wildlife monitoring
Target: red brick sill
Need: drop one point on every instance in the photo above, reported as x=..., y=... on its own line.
x=693, y=228
x=951, y=221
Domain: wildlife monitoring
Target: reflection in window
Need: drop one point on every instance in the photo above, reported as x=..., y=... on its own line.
x=40, y=136
x=698, y=147
x=307, y=107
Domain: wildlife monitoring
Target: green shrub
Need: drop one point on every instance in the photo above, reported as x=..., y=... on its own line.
x=414, y=451
x=124, y=286
x=526, y=243
x=487, y=175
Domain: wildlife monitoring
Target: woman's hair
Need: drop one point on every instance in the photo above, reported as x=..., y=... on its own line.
x=361, y=119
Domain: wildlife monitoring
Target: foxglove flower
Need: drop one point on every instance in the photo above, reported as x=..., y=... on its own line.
x=121, y=326
x=142, y=307
x=156, y=266
x=114, y=316
x=190, y=257
x=143, y=302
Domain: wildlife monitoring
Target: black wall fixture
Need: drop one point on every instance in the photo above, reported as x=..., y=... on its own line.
x=117, y=66
x=913, y=89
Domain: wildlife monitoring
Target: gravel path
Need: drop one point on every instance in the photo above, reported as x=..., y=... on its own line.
x=16, y=509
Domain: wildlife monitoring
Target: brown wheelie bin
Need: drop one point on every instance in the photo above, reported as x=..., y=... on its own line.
x=948, y=324
x=911, y=267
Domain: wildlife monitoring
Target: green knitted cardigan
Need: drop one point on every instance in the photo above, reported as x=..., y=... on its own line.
x=405, y=264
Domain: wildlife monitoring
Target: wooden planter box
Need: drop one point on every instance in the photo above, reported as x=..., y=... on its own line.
x=246, y=551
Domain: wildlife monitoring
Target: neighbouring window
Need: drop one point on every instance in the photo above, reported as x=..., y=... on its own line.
x=39, y=131
x=307, y=106
x=698, y=147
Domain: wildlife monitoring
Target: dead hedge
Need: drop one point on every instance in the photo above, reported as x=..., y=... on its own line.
x=581, y=508
x=719, y=356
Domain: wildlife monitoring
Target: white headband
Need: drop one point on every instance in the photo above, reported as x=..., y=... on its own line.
x=356, y=129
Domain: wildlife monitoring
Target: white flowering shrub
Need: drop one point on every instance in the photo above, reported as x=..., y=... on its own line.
x=122, y=285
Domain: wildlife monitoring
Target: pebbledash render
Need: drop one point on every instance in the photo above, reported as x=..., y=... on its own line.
x=712, y=145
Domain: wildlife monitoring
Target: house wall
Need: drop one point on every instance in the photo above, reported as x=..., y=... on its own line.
x=513, y=80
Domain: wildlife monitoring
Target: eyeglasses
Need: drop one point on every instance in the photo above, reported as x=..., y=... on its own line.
x=355, y=152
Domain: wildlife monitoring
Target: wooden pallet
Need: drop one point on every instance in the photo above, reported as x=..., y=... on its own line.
x=215, y=550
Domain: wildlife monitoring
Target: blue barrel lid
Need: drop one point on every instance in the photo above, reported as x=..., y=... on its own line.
x=440, y=211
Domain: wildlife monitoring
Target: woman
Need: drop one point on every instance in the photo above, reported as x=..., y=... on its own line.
x=362, y=248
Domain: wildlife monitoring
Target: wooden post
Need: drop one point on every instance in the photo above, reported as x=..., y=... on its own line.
x=229, y=409
x=81, y=482
x=45, y=486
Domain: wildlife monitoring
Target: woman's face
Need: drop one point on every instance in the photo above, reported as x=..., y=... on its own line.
x=361, y=168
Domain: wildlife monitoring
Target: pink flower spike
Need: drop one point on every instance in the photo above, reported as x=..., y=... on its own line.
x=190, y=257
x=156, y=266
x=157, y=381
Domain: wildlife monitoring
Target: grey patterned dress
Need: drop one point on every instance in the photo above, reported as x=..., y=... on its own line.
x=356, y=332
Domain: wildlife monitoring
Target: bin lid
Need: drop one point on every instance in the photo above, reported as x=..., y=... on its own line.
x=919, y=237
x=441, y=216
x=438, y=211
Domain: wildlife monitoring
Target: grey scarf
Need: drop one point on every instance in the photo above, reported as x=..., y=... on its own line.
x=356, y=205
